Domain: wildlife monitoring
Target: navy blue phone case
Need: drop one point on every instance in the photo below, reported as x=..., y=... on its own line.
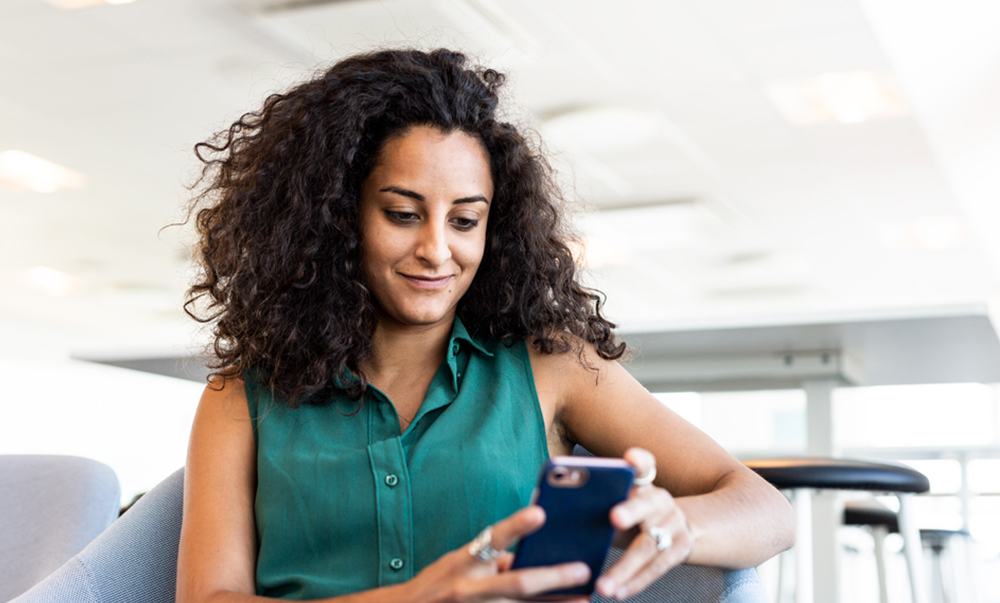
x=577, y=525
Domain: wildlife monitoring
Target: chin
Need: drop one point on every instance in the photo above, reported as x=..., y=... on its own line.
x=418, y=319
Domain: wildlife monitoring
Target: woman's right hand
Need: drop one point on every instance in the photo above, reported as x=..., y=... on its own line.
x=460, y=577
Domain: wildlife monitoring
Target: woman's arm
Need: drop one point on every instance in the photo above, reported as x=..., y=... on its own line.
x=218, y=548
x=719, y=512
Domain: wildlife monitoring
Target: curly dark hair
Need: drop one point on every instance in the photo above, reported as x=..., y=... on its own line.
x=280, y=253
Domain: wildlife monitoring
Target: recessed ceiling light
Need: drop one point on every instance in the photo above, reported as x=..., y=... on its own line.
x=75, y=4
x=25, y=170
x=594, y=252
x=847, y=98
x=932, y=233
x=48, y=280
x=603, y=129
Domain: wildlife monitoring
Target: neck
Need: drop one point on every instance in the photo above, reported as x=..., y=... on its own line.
x=405, y=350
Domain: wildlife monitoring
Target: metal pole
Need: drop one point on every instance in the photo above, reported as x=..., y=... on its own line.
x=827, y=509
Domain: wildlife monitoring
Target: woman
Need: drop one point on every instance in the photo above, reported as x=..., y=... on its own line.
x=402, y=342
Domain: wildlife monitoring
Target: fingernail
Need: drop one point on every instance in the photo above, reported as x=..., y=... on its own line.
x=624, y=516
x=581, y=571
x=622, y=593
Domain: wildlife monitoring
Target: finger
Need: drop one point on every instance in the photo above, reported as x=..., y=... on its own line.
x=524, y=583
x=639, y=553
x=504, y=561
x=645, y=504
x=643, y=562
x=508, y=531
x=640, y=458
x=658, y=566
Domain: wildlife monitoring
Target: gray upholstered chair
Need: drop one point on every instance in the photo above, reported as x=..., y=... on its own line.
x=136, y=560
x=51, y=507
x=133, y=560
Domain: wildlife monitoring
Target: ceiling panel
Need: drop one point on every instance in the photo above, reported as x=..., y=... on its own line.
x=122, y=93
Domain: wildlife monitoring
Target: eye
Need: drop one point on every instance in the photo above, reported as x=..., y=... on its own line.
x=401, y=217
x=465, y=223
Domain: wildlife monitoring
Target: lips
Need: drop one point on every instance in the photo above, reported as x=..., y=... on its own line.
x=428, y=282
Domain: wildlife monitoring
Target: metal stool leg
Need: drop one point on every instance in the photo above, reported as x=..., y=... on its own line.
x=912, y=549
x=802, y=501
x=878, y=534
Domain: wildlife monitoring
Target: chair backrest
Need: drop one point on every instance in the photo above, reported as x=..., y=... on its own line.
x=136, y=560
x=133, y=560
x=696, y=584
x=51, y=507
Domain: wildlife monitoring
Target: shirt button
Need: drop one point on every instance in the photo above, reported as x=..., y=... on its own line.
x=454, y=348
x=391, y=480
x=396, y=564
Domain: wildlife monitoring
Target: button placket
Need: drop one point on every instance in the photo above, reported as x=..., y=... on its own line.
x=395, y=521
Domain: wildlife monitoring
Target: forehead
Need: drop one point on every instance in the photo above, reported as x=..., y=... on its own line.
x=425, y=154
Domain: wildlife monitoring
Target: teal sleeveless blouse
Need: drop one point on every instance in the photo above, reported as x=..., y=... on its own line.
x=345, y=502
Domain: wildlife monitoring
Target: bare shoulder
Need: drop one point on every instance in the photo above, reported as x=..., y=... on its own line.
x=581, y=369
x=581, y=358
x=217, y=547
x=604, y=409
x=224, y=398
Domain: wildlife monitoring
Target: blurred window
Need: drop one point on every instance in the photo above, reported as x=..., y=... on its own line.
x=945, y=475
x=924, y=416
x=984, y=475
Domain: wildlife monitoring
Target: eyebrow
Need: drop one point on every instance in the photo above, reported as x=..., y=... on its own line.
x=414, y=195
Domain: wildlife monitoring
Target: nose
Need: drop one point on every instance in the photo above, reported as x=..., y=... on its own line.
x=433, y=248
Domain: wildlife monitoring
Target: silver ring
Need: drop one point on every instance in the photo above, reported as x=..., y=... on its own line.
x=647, y=479
x=662, y=537
x=482, y=549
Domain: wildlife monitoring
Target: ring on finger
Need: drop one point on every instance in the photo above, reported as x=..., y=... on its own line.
x=645, y=480
x=481, y=548
x=662, y=537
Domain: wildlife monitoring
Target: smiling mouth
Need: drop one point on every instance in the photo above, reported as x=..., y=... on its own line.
x=424, y=282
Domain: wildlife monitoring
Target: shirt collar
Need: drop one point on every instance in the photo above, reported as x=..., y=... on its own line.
x=459, y=332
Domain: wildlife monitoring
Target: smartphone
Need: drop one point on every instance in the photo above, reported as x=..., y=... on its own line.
x=577, y=494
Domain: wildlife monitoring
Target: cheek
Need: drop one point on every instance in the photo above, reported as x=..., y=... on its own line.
x=381, y=249
x=472, y=254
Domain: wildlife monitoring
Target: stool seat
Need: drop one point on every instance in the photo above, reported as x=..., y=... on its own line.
x=870, y=513
x=936, y=539
x=839, y=474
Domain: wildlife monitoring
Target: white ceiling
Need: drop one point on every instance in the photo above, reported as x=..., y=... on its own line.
x=723, y=207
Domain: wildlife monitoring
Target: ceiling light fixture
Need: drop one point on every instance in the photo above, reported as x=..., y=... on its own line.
x=847, y=98
x=603, y=129
x=76, y=4
x=930, y=233
x=48, y=280
x=25, y=170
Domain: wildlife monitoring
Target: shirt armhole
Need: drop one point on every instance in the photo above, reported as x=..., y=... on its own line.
x=536, y=404
x=250, y=387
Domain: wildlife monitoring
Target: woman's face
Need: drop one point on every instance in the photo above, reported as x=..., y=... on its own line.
x=423, y=224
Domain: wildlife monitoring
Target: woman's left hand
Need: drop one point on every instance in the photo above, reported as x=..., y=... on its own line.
x=654, y=529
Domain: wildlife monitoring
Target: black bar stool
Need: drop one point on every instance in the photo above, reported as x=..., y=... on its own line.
x=947, y=588
x=802, y=475
x=881, y=521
